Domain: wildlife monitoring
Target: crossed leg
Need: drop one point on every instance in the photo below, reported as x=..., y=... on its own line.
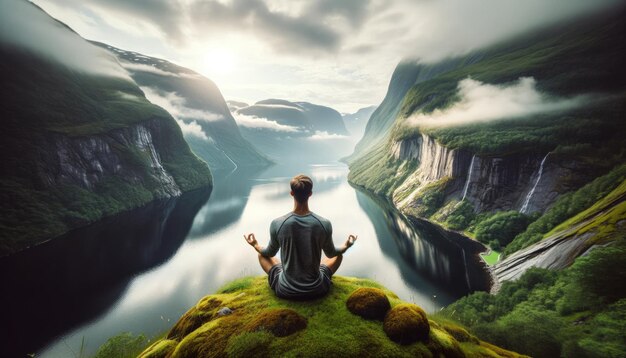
x=267, y=262
x=333, y=263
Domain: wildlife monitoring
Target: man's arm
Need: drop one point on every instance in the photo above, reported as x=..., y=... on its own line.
x=269, y=251
x=329, y=247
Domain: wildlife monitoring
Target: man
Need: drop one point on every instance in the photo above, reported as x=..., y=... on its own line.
x=301, y=235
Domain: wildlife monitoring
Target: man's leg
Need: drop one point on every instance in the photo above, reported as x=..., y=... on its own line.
x=333, y=264
x=267, y=262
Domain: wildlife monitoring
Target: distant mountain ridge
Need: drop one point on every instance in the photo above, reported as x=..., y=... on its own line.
x=357, y=121
x=308, y=117
x=196, y=102
x=294, y=131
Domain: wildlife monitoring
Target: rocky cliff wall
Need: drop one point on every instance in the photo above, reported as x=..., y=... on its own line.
x=86, y=160
x=509, y=182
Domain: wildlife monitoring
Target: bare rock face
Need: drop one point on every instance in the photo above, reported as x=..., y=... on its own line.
x=555, y=252
x=520, y=181
x=86, y=160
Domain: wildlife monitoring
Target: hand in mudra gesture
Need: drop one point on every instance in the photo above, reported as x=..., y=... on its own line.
x=351, y=240
x=250, y=239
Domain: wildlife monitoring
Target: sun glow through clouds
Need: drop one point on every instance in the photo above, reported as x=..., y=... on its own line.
x=218, y=62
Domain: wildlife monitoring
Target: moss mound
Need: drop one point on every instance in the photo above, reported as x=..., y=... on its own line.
x=160, y=349
x=369, y=303
x=281, y=322
x=195, y=317
x=263, y=325
x=406, y=323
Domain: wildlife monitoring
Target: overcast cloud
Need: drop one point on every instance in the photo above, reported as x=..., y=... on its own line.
x=27, y=27
x=331, y=52
x=262, y=123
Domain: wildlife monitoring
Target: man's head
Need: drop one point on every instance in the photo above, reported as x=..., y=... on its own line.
x=301, y=188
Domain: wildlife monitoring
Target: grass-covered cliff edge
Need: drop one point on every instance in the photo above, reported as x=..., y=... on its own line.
x=259, y=324
x=79, y=139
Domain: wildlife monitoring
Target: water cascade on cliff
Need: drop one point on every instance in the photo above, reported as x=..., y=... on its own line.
x=469, y=176
x=524, y=208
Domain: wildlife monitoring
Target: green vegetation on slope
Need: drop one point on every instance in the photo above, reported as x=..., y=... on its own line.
x=378, y=171
x=500, y=229
x=330, y=328
x=577, y=312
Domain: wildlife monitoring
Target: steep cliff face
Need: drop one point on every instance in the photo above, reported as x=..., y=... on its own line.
x=524, y=182
x=87, y=160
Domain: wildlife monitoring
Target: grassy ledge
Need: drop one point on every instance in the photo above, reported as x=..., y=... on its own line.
x=262, y=324
x=491, y=258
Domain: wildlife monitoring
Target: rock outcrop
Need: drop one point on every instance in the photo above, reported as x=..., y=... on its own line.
x=261, y=324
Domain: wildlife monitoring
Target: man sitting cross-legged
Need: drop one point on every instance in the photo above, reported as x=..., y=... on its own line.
x=301, y=235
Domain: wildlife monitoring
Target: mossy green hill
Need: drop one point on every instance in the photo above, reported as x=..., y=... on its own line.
x=261, y=324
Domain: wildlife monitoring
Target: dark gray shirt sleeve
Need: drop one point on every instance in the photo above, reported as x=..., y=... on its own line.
x=272, y=248
x=329, y=247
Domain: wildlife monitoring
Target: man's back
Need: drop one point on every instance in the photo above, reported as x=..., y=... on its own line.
x=301, y=239
x=302, y=236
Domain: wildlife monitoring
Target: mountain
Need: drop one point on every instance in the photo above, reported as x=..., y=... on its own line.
x=80, y=139
x=235, y=105
x=307, y=117
x=198, y=106
x=356, y=122
x=294, y=131
x=509, y=141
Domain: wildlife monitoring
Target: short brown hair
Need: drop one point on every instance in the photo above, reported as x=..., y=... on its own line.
x=302, y=187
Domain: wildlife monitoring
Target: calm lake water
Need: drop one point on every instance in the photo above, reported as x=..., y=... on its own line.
x=139, y=271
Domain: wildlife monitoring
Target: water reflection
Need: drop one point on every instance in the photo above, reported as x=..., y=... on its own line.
x=72, y=279
x=446, y=259
x=230, y=195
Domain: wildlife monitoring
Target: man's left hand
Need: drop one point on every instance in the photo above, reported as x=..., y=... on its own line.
x=250, y=239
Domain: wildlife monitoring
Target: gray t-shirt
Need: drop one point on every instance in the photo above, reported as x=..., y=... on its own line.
x=301, y=239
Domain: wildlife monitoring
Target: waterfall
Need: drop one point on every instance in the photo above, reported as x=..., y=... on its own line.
x=524, y=208
x=469, y=176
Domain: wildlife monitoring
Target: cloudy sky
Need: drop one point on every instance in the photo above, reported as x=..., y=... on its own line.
x=339, y=53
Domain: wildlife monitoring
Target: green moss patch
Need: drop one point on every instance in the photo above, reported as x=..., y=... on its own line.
x=406, y=323
x=281, y=322
x=331, y=329
x=160, y=349
x=369, y=303
x=195, y=317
